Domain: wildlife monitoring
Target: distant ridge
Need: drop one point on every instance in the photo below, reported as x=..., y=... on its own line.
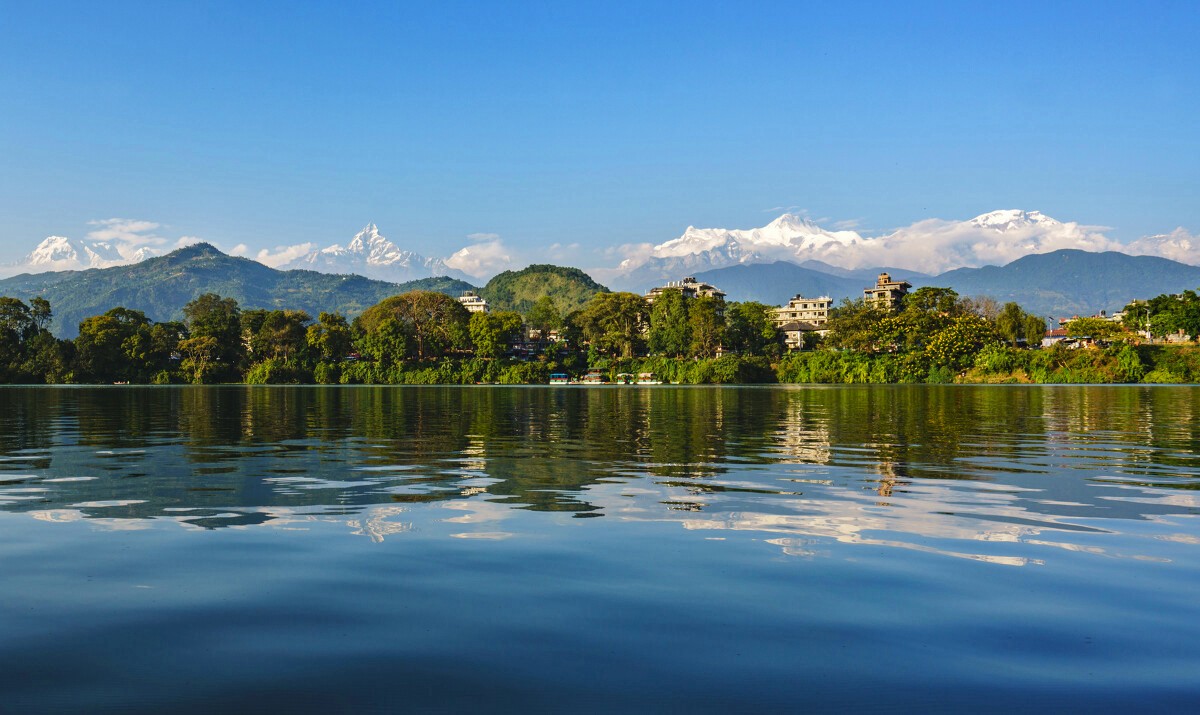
x=162, y=285
x=1073, y=282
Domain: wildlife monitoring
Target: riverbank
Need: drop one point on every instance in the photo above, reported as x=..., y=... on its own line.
x=1116, y=364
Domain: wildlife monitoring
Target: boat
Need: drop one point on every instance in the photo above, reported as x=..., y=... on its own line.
x=595, y=376
x=648, y=378
x=624, y=378
x=560, y=378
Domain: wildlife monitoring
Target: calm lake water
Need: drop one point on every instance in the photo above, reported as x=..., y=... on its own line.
x=387, y=549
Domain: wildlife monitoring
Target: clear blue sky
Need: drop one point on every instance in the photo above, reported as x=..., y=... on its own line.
x=277, y=123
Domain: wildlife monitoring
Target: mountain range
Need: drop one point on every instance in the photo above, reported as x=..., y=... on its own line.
x=160, y=286
x=929, y=246
x=1050, y=267
x=374, y=256
x=1057, y=284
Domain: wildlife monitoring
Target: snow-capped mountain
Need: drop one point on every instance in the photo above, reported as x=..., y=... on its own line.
x=59, y=253
x=371, y=254
x=931, y=246
x=789, y=237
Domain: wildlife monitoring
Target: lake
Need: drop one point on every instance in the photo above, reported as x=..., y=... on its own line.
x=573, y=549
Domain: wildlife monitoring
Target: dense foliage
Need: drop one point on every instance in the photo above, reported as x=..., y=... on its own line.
x=424, y=337
x=568, y=288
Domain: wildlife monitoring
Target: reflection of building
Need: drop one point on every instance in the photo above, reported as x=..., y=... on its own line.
x=886, y=293
x=473, y=302
x=803, y=438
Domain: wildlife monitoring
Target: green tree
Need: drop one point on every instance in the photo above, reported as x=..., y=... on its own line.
x=707, y=326
x=17, y=328
x=750, y=330
x=330, y=338
x=1010, y=323
x=544, y=316
x=613, y=323
x=1034, y=329
x=1095, y=328
x=211, y=316
x=280, y=335
x=39, y=310
x=670, y=334
x=116, y=347
x=491, y=333
x=199, y=355
x=957, y=345
x=857, y=325
x=436, y=323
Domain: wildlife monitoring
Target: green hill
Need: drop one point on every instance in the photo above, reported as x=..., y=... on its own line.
x=569, y=288
x=160, y=287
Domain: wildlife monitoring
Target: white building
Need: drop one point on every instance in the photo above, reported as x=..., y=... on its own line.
x=472, y=302
x=809, y=310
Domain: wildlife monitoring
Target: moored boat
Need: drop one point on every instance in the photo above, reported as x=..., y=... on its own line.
x=595, y=376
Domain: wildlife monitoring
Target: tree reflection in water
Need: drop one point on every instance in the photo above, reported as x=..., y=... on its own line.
x=798, y=464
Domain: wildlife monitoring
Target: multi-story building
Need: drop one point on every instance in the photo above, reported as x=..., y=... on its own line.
x=473, y=302
x=814, y=311
x=690, y=287
x=886, y=293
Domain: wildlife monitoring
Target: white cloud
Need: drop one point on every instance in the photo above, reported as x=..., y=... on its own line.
x=934, y=245
x=185, y=241
x=852, y=224
x=280, y=255
x=1178, y=245
x=563, y=253
x=483, y=259
x=133, y=232
x=239, y=250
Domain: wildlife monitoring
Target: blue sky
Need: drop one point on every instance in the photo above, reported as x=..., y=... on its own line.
x=270, y=124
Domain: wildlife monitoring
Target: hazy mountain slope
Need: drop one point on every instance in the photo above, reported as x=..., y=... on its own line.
x=776, y=283
x=1069, y=282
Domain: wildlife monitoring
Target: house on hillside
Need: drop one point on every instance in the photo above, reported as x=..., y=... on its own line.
x=794, y=332
x=814, y=311
x=1052, y=337
x=886, y=293
x=473, y=302
x=802, y=316
x=690, y=288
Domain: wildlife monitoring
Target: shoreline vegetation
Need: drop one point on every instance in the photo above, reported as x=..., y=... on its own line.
x=933, y=336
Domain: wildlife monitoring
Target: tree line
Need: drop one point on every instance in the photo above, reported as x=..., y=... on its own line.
x=934, y=335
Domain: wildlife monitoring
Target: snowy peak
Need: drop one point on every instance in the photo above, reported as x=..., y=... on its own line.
x=60, y=253
x=788, y=237
x=1013, y=219
x=793, y=223
x=371, y=254
x=930, y=246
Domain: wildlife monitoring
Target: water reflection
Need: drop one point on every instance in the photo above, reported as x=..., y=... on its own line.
x=983, y=473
